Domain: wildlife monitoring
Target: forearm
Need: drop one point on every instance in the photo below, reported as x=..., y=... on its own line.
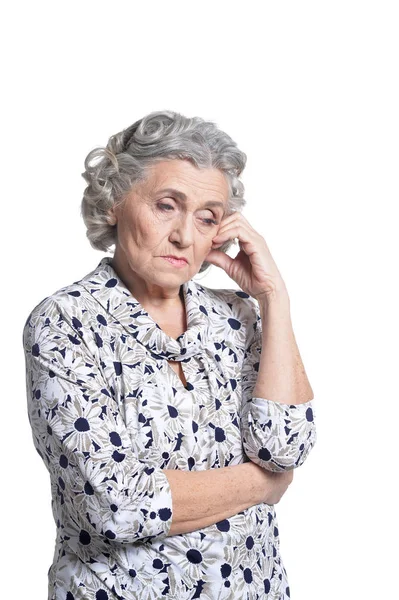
x=281, y=376
x=202, y=498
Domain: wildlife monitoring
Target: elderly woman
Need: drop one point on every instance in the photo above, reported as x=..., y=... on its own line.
x=169, y=415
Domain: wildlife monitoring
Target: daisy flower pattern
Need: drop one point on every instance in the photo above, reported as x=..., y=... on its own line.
x=108, y=413
x=276, y=436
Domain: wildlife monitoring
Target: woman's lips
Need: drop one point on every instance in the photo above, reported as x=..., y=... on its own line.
x=177, y=262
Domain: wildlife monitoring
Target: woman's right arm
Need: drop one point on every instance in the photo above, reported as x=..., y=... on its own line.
x=80, y=433
x=202, y=498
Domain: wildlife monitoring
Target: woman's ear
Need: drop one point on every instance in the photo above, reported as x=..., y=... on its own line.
x=111, y=217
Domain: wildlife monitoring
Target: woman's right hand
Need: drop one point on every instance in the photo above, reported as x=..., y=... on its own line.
x=273, y=485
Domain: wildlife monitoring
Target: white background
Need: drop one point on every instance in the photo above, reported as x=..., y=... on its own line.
x=309, y=90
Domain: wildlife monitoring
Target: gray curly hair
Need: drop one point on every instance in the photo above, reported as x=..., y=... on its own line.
x=112, y=171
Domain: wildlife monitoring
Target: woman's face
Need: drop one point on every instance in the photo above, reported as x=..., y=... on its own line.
x=176, y=211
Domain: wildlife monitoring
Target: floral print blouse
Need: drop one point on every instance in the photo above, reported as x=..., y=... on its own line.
x=108, y=413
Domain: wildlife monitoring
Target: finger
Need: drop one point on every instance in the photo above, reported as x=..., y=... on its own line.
x=235, y=216
x=228, y=218
x=220, y=259
x=233, y=231
x=237, y=221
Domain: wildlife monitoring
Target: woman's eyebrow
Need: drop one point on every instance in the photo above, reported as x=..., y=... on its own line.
x=181, y=196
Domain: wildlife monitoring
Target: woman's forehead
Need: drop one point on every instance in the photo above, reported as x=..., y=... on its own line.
x=181, y=175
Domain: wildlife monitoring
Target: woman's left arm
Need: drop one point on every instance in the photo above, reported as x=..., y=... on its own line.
x=277, y=420
x=281, y=376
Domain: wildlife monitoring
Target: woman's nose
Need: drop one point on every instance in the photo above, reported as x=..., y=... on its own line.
x=183, y=231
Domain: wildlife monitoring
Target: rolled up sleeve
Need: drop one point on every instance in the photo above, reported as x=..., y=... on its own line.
x=276, y=436
x=79, y=431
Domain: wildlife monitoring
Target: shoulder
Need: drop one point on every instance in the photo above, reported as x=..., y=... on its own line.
x=55, y=311
x=70, y=302
x=233, y=303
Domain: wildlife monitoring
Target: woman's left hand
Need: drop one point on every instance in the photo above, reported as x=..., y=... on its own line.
x=253, y=269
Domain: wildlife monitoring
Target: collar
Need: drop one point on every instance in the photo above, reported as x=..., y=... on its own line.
x=111, y=293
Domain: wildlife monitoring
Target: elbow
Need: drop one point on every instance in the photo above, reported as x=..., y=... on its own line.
x=96, y=530
x=275, y=436
x=290, y=453
x=131, y=515
x=122, y=510
x=140, y=528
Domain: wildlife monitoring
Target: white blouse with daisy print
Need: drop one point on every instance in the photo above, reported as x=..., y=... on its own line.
x=108, y=413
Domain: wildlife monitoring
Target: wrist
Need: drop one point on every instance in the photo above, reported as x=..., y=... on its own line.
x=278, y=302
x=255, y=482
x=279, y=295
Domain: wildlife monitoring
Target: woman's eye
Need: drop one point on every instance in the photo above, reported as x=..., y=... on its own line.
x=210, y=221
x=168, y=207
x=165, y=206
